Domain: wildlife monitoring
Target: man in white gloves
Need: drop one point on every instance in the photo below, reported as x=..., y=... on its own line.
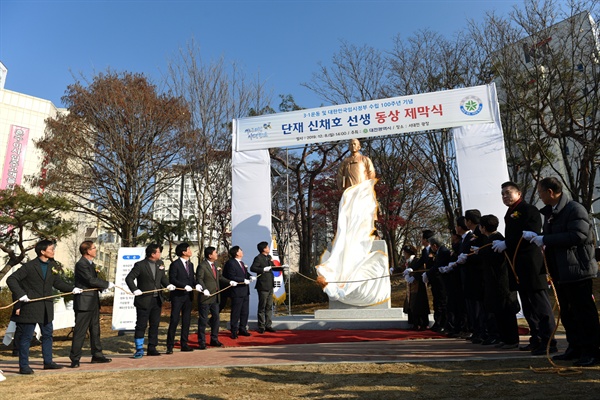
x=87, y=306
x=210, y=280
x=181, y=274
x=236, y=272
x=35, y=280
x=262, y=266
x=569, y=249
x=148, y=275
x=529, y=268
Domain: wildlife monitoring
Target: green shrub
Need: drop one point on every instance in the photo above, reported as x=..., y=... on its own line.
x=305, y=291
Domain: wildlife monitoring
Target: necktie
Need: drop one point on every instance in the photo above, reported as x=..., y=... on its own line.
x=243, y=267
x=213, y=269
x=187, y=267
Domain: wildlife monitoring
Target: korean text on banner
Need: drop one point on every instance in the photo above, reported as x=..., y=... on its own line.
x=124, y=315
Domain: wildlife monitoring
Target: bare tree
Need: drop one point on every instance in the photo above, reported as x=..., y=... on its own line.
x=215, y=93
x=114, y=148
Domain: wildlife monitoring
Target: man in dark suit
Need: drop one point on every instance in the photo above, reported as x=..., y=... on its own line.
x=528, y=265
x=148, y=275
x=440, y=257
x=262, y=266
x=181, y=274
x=236, y=272
x=87, y=306
x=211, y=279
x=32, y=281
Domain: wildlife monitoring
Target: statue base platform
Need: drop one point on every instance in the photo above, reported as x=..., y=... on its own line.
x=393, y=318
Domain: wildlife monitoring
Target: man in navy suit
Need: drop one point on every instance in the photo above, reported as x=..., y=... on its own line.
x=32, y=281
x=87, y=306
x=235, y=270
x=149, y=276
x=181, y=274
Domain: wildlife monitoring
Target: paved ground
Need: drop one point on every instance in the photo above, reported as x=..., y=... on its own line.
x=424, y=350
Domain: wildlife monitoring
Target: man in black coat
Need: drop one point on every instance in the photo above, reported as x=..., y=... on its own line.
x=570, y=257
x=87, y=306
x=239, y=278
x=210, y=277
x=262, y=265
x=32, y=281
x=528, y=265
x=181, y=275
x=440, y=257
x=148, y=275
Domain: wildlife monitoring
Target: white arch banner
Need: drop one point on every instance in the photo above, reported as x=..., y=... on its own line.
x=406, y=114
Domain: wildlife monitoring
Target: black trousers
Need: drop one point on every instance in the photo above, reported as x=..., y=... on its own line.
x=440, y=301
x=180, y=305
x=240, y=307
x=579, y=316
x=150, y=316
x=86, y=321
x=538, y=313
x=213, y=322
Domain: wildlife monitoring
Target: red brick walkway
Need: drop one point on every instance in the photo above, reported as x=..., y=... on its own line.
x=424, y=350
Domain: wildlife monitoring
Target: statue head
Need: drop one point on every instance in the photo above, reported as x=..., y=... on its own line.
x=354, y=146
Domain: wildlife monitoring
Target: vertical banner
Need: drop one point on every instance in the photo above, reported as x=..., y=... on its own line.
x=250, y=205
x=14, y=159
x=124, y=315
x=481, y=160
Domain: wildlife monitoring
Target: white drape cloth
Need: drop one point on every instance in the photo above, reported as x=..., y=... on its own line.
x=351, y=258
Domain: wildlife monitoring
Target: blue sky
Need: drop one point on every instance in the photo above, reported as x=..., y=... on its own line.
x=44, y=42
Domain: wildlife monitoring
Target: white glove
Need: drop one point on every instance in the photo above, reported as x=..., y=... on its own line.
x=499, y=246
x=137, y=292
x=266, y=269
x=407, y=271
x=462, y=258
x=528, y=235
x=451, y=265
x=206, y=292
x=538, y=240
x=111, y=285
x=188, y=288
x=247, y=281
x=171, y=287
x=199, y=287
x=443, y=270
x=475, y=249
x=24, y=299
x=233, y=283
x=252, y=278
x=77, y=290
x=425, y=278
x=391, y=270
x=410, y=279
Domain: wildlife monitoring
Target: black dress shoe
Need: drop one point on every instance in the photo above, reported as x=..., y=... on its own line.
x=269, y=329
x=541, y=351
x=52, y=365
x=529, y=347
x=153, y=352
x=101, y=360
x=74, y=364
x=569, y=354
x=260, y=330
x=216, y=344
x=586, y=361
x=25, y=371
x=244, y=333
x=202, y=346
x=186, y=349
x=169, y=351
x=234, y=336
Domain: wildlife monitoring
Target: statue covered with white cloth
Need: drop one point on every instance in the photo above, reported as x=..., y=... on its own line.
x=352, y=273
